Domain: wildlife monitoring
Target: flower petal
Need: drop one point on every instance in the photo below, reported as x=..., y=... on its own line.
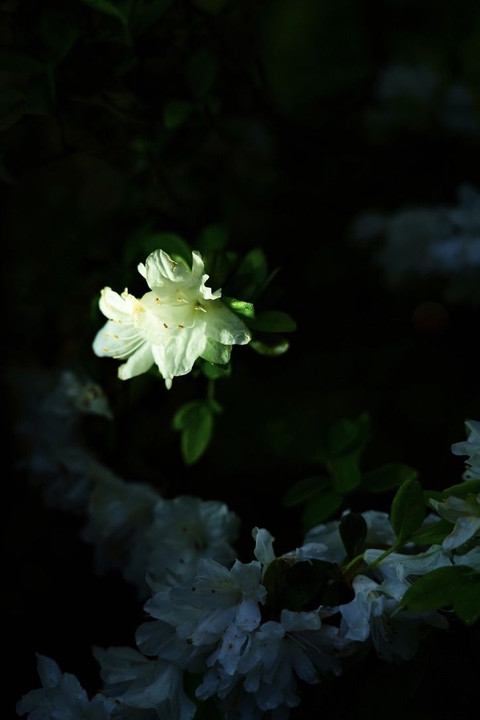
x=224, y=326
x=141, y=361
x=179, y=351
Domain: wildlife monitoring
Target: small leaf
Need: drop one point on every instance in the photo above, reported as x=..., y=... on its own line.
x=195, y=421
x=108, y=7
x=321, y=507
x=434, y=534
x=240, y=307
x=462, y=489
x=353, y=531
x=341, y=436
x=432, y=591
x=408, y=509
x=20, y=63
x=304, y=489
x=214, y=372
x=456, y=586
x=273, y=321
x=346, y=475
x=201, y=72
x=275, y=347
x=176, y=112
x=387, y=477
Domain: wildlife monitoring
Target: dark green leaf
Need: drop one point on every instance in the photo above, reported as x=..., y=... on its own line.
x=387, y=477
x=341, y=436
x=201, y=72
x=434, y=534
x=176, y=112
x=320, y=508
x=455, y=586
x=353, y=531
x=146, y=14
x=275, y=346
x=408, y=509
x=462, y=489
x=304, y=489
x=214, y=372
x=295, y=585
x=108, y=7
x=20, y=63
x=195, y=421
x=346, y=475
x=273, y=321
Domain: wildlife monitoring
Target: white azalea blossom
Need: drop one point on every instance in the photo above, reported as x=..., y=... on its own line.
x=375, y=613
x=141, y=683
x=177, y=321
x=63, y=697
x=464, y=513
x=471, y=448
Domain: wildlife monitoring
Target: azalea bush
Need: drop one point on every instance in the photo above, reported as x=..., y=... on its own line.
x=241, y=268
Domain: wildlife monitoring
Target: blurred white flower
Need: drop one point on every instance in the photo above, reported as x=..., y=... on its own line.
x=179, y=320
x=471, y=448
x=63, y=697
x=464, y=513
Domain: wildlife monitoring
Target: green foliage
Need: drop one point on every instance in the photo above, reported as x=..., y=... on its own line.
x=387, y=477
x=408, y=509
x=273, y=321
x=434, y=534
x=194, y=420
x=353, y=531
x=296, y=585
x=176, y=112
x=456, y=587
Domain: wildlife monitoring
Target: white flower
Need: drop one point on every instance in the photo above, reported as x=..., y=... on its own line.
x=203, y=608
x=470, y=447
x=185, y=529
x=62, y=696
x=375, y=612
x=464, y=513
x=139, y=682
x=276, y=656
x=179, y=320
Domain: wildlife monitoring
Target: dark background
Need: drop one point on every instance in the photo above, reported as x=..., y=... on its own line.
x=278, y=150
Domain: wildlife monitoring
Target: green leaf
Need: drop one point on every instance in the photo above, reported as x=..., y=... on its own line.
x=214, y=372
x=432, y=591
x=304, y=489
x=213, y=237
x=195, y=421
x=346, y=475
x=145, y=240
x=462, y=489
x=21, y=63
x=274, y=347
x=295, y=585
x=108, y=7
x=273, y=321
x=240, y=307
x=212, y=7
x=200, y=72
x=435, y=534
x=60, y=31
x=353, y=531
x=146, y=14
x=341, y=436
x=176, y=112
x=456, y=586
x=408, y=509
x=387, y=477
x=320, y=508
